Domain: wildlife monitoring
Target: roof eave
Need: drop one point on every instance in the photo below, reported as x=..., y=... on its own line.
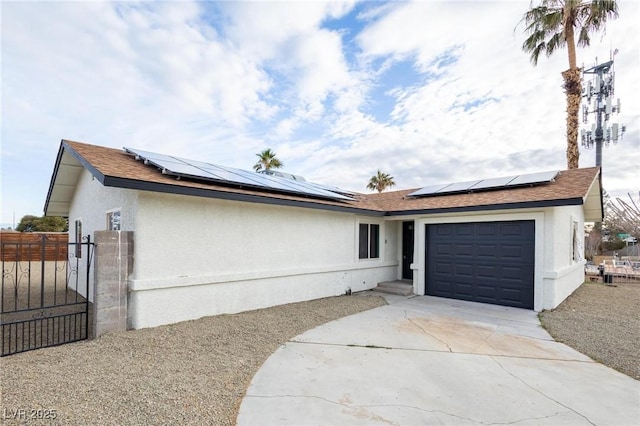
x=593, y=202
x=56, y=167
x=487, y=207
x=140, y=185
x=60, y=169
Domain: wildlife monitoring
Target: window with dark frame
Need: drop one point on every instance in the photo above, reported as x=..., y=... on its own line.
x=369, y=241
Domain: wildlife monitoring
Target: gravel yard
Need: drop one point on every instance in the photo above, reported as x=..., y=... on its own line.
x=194, y=372
x=197, y=372
x=602, y=322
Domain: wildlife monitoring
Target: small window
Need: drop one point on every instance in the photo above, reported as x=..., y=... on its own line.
x=78, y=224
x=369, y=241
x=113, y=220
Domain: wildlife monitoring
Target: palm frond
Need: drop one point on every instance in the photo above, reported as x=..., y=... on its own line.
x=267, y=160
x=380, y=181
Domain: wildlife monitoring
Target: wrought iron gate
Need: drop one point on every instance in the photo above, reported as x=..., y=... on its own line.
x=45, y=293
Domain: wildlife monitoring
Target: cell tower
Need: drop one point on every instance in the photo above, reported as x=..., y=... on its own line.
x=600, y=89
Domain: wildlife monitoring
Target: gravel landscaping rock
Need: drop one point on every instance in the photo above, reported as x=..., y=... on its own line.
x=197, y=372
x=194, y=372
x=602, y=322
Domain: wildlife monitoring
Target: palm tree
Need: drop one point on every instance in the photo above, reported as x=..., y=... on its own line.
x=380, y=181
x=555, y=24
x=267, y=160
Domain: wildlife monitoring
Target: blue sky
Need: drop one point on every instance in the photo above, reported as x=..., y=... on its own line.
x=429, y=92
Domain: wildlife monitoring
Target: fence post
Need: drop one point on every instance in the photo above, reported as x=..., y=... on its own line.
x=43, y=242
x=113, y=263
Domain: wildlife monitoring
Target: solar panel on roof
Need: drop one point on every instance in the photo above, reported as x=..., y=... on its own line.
x=331, y=188
x=493, y=182
x=457, y=187
x=534, y=178
x=147, y=155
x=486, y=184
x=226, y=175
x=181, y=167
x=427, y=190
x=277, y=183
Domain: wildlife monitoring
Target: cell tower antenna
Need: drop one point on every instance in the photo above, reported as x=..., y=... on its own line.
x=600, y=90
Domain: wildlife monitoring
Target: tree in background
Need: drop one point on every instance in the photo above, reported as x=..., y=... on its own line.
x=624, y=217
x=267, y=160
x=593, y=243
x=42, y=224
x=380, y=181
x=556, y=24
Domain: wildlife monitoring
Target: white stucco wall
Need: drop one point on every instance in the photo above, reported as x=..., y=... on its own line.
x=90, y=204
x=556, y=275
x=562, y=274
x=196, y=257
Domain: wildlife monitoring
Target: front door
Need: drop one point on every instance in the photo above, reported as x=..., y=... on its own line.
x=407, y=249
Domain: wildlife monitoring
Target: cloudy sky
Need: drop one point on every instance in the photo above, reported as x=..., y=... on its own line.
x=429, y=92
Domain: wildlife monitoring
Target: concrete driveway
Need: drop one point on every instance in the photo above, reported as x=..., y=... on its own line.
x=426, y=360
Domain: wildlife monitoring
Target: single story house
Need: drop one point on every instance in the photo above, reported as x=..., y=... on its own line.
x=211, y=240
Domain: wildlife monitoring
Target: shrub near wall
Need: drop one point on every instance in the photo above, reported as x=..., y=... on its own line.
x=27, y=246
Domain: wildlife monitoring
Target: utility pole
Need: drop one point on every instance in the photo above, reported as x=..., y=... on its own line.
x=600, y=89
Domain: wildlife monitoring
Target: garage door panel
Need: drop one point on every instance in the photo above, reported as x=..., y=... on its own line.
x=512, y=230
x=486, y=292
x=443, y=267
x=463, y=290
x=520, y=252
x=444, y=249
x=490, y=262
x=514, y=272
x=511, y=251
x=443, y=287
x=487, y=230
x=512, y=297
x=463, y=250
x=486, y=250
x=486, y=271
x=444, y=231
x=463, y=231
x=462, y=270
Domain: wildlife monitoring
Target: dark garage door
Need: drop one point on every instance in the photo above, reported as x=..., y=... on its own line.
x=488, y=262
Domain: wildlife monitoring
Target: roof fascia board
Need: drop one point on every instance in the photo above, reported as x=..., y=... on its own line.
x=54, y=174
x=232, y=196
x=601, y=194
x=508, y=206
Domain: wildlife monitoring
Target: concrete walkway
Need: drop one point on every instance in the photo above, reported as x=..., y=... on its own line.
x=426, y=360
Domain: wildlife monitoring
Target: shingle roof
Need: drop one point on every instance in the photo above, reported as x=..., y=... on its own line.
x=569, y=187
x=113, y=167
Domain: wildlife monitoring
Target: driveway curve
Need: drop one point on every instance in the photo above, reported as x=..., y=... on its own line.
x=426, y=360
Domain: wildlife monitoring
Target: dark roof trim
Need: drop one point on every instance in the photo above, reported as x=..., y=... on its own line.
x=601, y=194
x=233, y=196
x=53, y=177
x=507, y=206
x=65, y=147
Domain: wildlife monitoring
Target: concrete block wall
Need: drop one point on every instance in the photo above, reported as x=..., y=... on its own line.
x=113, y=263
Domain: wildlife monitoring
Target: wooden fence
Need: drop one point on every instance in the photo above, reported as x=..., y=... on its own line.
x=31, y=246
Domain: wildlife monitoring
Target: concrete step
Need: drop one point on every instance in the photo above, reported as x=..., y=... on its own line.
x=402, y=288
